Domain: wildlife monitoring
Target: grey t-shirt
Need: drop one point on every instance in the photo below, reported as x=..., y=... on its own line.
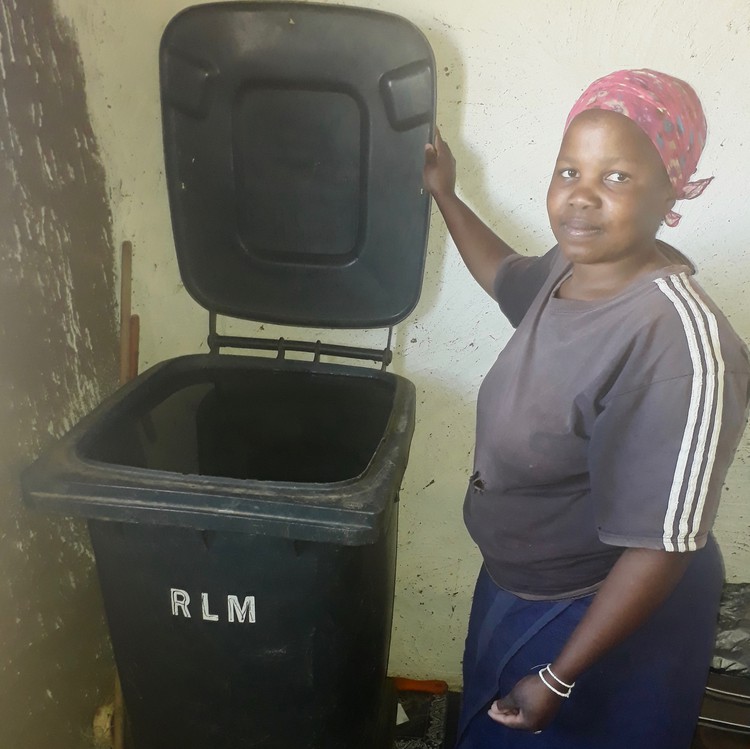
x=601, y=425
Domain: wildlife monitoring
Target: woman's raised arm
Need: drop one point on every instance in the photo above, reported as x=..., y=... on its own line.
x=481, y=249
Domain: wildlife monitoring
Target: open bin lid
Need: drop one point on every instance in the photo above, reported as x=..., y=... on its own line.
x=294, y=140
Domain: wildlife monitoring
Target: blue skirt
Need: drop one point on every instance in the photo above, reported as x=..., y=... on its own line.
x=644, y=694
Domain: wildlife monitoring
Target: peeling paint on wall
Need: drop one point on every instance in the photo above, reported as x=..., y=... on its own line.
x=58, y=356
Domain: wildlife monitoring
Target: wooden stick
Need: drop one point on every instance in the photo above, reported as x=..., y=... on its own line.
x=129, y=345
x=135, y=338
x=126, y=282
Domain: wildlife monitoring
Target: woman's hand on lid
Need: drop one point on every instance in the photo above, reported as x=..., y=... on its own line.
x=439, y=173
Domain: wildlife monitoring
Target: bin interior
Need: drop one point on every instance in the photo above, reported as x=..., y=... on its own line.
x=262, y=424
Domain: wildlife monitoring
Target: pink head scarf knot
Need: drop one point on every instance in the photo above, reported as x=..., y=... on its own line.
x=667, y=110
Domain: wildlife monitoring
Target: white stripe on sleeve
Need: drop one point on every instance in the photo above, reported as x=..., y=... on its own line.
x=704, y=415
x=714, y=405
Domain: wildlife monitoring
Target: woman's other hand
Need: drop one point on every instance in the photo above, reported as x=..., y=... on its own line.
x=439, y=173
x=529, y=706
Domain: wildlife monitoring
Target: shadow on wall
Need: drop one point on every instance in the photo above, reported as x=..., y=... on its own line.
x=438, y=563
x=58, y=357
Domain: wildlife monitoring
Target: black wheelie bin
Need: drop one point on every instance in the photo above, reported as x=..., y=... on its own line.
x=243, y=508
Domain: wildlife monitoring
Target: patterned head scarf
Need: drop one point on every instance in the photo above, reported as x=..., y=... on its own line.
x=667, y=110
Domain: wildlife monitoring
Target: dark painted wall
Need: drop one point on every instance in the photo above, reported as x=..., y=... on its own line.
x=58, y=357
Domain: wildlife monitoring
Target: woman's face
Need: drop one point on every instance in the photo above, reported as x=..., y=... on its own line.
x=609, y=192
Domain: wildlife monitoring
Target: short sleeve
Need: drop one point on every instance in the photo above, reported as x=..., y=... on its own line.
x=659, y=457
x=519, y=279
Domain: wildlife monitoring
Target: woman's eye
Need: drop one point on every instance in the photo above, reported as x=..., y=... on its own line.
x=617, y=177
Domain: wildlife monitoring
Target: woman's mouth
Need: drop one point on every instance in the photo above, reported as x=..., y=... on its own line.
x=579, y=228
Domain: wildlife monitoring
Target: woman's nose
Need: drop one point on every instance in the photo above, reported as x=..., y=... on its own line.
x=584, y=195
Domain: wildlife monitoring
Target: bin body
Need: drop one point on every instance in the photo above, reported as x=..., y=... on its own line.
x=228, y=640
x=243, y=513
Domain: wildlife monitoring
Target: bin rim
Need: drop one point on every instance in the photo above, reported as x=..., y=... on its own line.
x=352, y=511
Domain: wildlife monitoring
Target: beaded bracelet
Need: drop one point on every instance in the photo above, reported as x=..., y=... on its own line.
x=552, y=688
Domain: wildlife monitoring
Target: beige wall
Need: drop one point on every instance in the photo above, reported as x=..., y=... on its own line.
x=58, y=350
x=508, y=71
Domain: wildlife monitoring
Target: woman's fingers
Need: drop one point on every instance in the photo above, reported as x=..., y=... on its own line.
x=440, y=145
x=503, y=707
x=529, y=706
x=439, y=174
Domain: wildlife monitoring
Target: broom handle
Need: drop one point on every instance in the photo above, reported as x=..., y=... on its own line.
x=135, y=335
x=129, y=345
x=126, y=283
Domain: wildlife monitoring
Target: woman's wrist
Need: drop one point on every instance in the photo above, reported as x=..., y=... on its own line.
x=444, y=196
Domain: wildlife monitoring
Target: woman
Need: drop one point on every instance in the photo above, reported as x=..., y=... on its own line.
x=604, y=433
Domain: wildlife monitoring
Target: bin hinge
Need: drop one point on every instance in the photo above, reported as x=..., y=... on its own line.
x=217, y=341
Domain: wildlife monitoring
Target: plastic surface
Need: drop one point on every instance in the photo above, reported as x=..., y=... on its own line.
x=239, y=443
x=726, y=705
x=732, y=652
x=294, y=140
